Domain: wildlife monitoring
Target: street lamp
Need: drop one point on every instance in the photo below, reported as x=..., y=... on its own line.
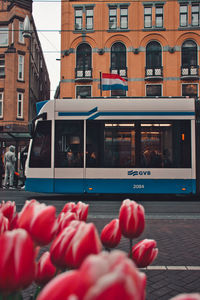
x=27, y=28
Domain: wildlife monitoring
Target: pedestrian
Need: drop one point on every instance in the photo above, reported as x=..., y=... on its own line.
x=9, y=162
x=1, y=169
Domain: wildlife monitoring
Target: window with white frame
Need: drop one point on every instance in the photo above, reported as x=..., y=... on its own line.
x=78, y=18
x=2, y=67
x=183, y=15
x=147, y=17
x=20, y=98
x=89, y=18
x=113, y=18
x=3, y=36
x=118, y=16
x=123, y=17
x=1, y=105
x=21, y=67
x=195, y=14
x=159, y=16
x=21, y=29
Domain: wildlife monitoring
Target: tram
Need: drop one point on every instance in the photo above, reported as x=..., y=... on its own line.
x=115, y=146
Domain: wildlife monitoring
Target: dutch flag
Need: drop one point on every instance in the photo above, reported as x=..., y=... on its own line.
x=113, y=82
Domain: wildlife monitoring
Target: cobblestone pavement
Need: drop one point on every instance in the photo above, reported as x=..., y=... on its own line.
x=175, y=227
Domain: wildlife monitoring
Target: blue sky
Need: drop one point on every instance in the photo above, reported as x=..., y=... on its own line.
x=47, y=17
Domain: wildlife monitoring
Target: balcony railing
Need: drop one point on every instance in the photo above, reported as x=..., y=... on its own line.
x=85, y=74
x=152, y=73
x=190, y=72
x=121, y=72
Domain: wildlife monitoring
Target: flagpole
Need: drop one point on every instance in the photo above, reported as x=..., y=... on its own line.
x=100, y=85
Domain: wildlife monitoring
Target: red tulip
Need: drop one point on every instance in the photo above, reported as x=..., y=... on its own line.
x=68, y=207
x=81, y=209
x=45, y=270
x=131, y=219
x=111, y=234
x=195, y=296
x=39, y=220
x=64, y=220
x=63, y=286
x=113, y=276
x=17, y=265
x=144, y=253
x=4, y=223
x=8, y=209
x=60, y=245
x=74, y=243
x=85, y=241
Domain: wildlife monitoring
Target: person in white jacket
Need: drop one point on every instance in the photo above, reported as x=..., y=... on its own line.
x=9, y=163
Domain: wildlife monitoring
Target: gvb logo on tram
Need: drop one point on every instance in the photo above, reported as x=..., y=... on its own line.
x=140, y=173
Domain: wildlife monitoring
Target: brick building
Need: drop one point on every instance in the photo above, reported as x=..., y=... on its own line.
x=24, y=78
x=153, y=44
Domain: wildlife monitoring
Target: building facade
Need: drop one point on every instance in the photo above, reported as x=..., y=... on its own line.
x=24, y=78
x=152, y=44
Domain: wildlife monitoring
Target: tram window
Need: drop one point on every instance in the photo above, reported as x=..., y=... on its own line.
x=110, y=144
x=68, y=144
x=40, y=156
x=165, y=144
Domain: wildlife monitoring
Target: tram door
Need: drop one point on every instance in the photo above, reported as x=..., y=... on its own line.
x=69, y=171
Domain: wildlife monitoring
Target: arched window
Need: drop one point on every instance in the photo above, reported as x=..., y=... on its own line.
x=83, y=61
x=83, y=57
x=189, y=54
x=118, y=59
x=153, y=54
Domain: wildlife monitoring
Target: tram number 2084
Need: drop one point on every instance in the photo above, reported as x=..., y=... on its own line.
x=138, y=186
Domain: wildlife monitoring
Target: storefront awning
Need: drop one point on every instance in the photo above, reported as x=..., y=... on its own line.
x=14, y=135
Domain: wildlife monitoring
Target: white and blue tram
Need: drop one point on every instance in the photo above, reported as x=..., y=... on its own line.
x=123, y=146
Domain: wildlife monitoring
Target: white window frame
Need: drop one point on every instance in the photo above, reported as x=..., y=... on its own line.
x=21, y=29
x=20, y=67
x=1, y=104
x=20, y=102
x=3, y=32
